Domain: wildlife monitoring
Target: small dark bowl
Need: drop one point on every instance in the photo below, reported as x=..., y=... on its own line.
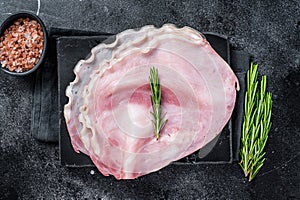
x=8, y=22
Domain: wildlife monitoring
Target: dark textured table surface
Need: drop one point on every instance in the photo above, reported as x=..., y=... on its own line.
x=269, y=30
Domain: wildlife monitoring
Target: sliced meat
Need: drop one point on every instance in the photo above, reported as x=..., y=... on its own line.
x=100, y=54
x=108, y=115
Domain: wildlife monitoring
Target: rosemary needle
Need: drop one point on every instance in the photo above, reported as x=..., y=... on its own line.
x=158, y=120
x=257, y=123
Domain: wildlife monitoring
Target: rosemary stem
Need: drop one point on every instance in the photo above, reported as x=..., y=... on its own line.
x=158, y=121
x=256, y=125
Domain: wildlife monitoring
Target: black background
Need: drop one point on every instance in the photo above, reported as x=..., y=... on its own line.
x=269, y=30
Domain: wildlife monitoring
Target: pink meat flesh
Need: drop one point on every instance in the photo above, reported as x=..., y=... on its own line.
x=108, y=114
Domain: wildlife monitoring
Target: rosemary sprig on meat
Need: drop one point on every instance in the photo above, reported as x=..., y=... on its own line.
x=256, y=125
x=158, y=120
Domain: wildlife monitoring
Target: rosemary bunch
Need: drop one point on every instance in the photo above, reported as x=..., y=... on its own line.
x=256, y=125
x=158, y=120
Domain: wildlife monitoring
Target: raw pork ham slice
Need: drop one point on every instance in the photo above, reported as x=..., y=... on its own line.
x=108, y=113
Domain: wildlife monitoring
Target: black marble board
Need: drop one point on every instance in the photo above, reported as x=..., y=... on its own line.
x=70, y=49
